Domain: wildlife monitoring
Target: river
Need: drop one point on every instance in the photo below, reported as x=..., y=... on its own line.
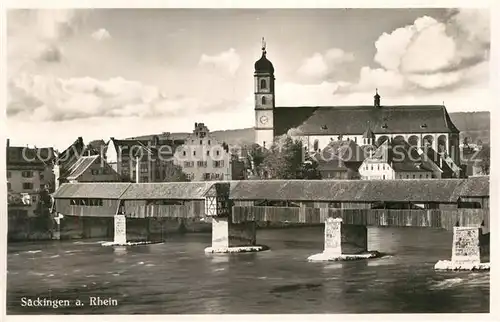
x=177, y=277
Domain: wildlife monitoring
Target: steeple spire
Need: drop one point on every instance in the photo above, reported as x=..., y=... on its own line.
x=376, y=98
x=263, y=46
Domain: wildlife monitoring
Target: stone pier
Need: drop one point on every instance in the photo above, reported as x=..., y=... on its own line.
x=344, y=242
x=228, y=237
x=468, y=248
x=120, y=233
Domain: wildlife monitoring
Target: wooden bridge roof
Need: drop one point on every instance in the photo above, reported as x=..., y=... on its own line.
x=104, y=190
x=167, y=190
x=134, y=191
x=425, y=190
x=431, y=190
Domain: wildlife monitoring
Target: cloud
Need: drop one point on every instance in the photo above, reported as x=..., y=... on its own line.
x=47, y=98
x=101, y=34
x=228, y=61
x=319, y=66
x=436, y=54
x=37, y=36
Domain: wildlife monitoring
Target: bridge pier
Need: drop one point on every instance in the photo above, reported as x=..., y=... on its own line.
x=228, y=237
x=344, y=242
x=469, y=247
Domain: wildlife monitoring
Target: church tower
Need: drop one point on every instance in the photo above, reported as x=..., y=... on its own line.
x=264, y=100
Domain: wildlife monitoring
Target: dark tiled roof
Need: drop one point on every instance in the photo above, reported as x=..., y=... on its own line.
x=80, y=166
x=91, y=190
x=424, y=190
x=31, y=157
x=312, y=120
x=167, y=190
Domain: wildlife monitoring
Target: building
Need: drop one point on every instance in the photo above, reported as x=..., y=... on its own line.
x=92, y=168
x=397, y=161
x=29, y=171
x=141, y=160
x=66, y=159
x=419, y=125
x=203, y=158
x=339, y=160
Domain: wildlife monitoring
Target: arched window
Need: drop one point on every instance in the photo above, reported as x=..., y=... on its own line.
x=263, y=84
x=263, y=100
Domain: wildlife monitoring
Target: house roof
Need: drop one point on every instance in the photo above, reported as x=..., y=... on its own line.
x=105, y=190
x=422, y=190
x=71, y=154
x=80, y=166
x=25, y=157
x=352, y=120
x=167, y=190
x=164, y=147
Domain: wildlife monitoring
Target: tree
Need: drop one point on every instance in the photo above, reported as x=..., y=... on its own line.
x=255, y=157
x=466, y=141
x=483, y=161
x=285, y=160
x=174, y=173
x=309, y=170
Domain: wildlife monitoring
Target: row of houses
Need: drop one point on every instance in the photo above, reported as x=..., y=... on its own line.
x=31, y=170
x=392, y=159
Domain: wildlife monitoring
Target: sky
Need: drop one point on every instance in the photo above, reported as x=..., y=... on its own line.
x=101, y=73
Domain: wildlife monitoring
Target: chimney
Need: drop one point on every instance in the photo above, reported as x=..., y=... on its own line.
x=137, y=168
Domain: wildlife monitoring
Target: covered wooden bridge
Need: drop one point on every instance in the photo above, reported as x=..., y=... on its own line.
x=427, y=203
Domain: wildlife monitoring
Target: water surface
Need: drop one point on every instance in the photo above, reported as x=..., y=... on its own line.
x=177, y=277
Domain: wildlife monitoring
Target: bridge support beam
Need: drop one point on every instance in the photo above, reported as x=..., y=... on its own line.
x=344, y=242
x=469, y=248
x=228, y=237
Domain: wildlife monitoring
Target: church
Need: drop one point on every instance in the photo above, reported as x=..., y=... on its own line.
x=418, y=125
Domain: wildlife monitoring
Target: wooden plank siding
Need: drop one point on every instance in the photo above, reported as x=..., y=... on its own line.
x=91, y=211
x=370, y=217
x=108, y=208
x=191, y=209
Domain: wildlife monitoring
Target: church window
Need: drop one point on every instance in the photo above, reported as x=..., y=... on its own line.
x=208, y=142
x=201, y=142
x=263, y=84
x=208, y=153
x=263, y=100
x=184, y=153
x=413, y=176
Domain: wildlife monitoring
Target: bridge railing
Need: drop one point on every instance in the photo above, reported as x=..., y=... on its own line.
x=370, y=217
x=172, y=211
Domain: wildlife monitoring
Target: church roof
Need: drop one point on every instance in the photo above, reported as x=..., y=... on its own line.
x=263, y=65
x=352, y=120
